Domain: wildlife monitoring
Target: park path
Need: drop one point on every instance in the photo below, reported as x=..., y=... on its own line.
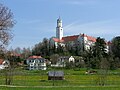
x=56, y=86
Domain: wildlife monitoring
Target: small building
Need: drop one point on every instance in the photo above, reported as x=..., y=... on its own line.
x=36, y=63
x=61, y=62
x=55, y=75
x=4, y=64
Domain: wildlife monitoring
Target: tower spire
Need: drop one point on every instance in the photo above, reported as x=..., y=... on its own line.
x=59, y=29
x=59, y=17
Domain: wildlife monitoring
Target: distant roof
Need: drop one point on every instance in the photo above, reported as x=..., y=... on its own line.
x=109, y=43
x=1, y=61
x=70, y=38
x=90, y=38
x=15, y=54
x=56, y=73
x=58, y=40
x=18, y=55
x=74, y=38
x=35, y=57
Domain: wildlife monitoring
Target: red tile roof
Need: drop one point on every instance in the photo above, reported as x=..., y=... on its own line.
x=18, y=55
x=108, y=43
x=70, y=38
x=58, y=40
x=15, y=54
x=1, y=61
x=35, y=57
x=73, y=38
x=90, y=38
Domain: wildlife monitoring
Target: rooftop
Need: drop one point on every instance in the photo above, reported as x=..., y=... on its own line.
x=1, y=61
x=35, y=57
x=70, y=38
x=56, y=73
x=90, y=38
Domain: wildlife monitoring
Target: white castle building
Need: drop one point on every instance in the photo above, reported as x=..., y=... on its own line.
x=81, y=40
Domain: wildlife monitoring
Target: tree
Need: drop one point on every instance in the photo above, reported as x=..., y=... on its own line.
x=99, y=49
x=72, y=50
x=45, y=47
x=79, y=62
x=93, y=56
x=26, y=52
x=70, y=65
x=115, y=47
x=54, y=58
x=103, y=72
x=42, y=48
x=6, y=23
x=98, y=52
x=88, y=58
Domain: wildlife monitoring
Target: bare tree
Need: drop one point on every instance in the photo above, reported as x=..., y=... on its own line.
x=6, y=23
x=54, y=58
x=103, y=72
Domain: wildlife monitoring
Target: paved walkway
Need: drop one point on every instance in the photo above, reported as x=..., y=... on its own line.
x=58, y=86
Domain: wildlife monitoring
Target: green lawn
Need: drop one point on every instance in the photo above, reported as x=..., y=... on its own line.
x=60, y=88
x=74, y=80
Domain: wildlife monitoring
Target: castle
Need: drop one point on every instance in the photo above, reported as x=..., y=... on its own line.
x=84, y=42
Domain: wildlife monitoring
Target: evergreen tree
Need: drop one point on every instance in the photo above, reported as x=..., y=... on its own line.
x=99, y=49
x=94, y=54
x=115, y=47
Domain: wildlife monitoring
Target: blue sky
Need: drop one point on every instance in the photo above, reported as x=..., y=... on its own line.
x=36, y=19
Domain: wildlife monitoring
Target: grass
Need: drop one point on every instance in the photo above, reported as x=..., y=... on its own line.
x=60, y=88
x=74, y=80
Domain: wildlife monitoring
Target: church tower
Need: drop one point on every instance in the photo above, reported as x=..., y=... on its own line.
x=59, y=29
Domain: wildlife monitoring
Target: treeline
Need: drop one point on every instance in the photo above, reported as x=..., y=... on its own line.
x=98, y=56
